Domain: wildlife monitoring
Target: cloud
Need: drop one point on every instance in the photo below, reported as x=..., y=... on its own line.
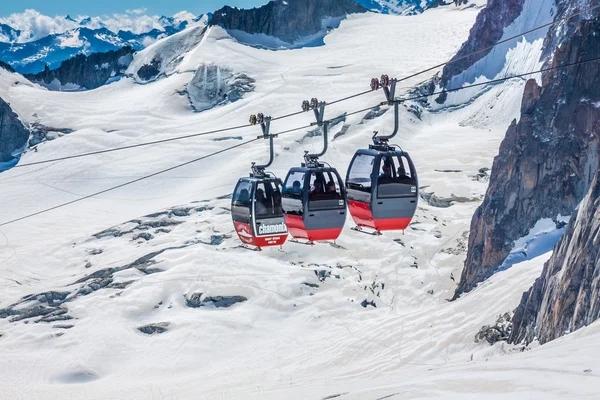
x=34, y=26
x=137, y=11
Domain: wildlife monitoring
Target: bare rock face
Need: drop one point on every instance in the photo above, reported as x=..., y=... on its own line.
x=287, y=20
x=567, y=295
x=546, y=161
x=85, y=71
x=487, y=31
x=13, y=134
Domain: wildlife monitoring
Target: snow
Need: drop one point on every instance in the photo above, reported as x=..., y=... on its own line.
x=541, y=239
x=290, y=339
x=70, y=39
x=58, y=86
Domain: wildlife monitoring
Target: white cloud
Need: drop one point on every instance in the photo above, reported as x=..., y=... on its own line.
x=34, y=26
x=137, y=11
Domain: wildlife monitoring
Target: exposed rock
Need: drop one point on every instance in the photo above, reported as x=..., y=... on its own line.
x=487, y=31
x=196, y=300
x=85, y=71
x=567, y=295
x=366, y=303
x=500, y=331
x=216, y=240
x=546, y=161
x=214, y=85
x=6, y=66
x=288, y=20
x=145, y=235
x=63, y=326
x=154, y=329
x=41, y=133
x=13, y=134
x=149, y=71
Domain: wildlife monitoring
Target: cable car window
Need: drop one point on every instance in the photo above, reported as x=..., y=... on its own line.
x=325, y=192
x=267, y=200
x=241, y=200
x=395, y=178
x=294, y=185
x=404, y=171
x=292, y=193
x=359, y=177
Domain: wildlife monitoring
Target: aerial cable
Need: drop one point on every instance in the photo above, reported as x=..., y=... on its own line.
x=301, y=128
x=128, y=183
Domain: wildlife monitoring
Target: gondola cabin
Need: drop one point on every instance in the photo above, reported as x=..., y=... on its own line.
x=257, y=213
x=382, y=189
x=314, y=203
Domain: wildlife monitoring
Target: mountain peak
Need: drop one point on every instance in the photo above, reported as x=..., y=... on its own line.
x=287, y=20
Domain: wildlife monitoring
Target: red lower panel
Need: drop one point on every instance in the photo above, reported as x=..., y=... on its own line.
x=245, y=234
x=296, y=226
x=361, y=214
x=392, y=224
x=297, y=229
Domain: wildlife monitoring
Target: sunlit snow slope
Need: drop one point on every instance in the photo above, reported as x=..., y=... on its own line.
x=367, y=320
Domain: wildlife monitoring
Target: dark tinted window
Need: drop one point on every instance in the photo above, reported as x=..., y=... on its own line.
x=240, y=206
x=267, y=201
x=293, y=193
x=359, y=177
x=293, y=185
x=325, y=192
x=395, y=178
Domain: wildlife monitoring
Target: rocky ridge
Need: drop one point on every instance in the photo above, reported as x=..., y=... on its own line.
x=546, y=161
x=85, y=71
x=567, y=295
x=288, y=20
x=13, y=133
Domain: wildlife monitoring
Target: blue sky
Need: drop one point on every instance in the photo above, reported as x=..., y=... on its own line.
x=101, y=7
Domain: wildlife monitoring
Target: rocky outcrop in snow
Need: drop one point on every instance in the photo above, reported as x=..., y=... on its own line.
x=163, y=57
x=288, y=20
x=567, y=295
x=213, y=85
x=13, y=134
x=546, y=161
x=85, y=72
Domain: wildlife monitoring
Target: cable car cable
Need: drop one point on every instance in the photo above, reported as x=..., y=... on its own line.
x=128, y=183
x=308, y=126
x=297, y=129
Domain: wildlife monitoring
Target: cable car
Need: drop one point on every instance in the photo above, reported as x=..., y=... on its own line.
x=382, y=184
x=314, y=197
x=256, y=206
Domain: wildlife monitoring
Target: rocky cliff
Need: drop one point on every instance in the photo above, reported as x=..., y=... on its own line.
x=287, y=20
x=546, y=161
x=85, y=72
x=13, y=134
x=567, y=295
x=487, y=31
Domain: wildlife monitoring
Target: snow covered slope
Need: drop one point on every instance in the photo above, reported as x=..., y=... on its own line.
x=367, y=320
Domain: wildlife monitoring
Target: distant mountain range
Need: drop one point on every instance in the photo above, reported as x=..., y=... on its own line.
x=30, y=41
